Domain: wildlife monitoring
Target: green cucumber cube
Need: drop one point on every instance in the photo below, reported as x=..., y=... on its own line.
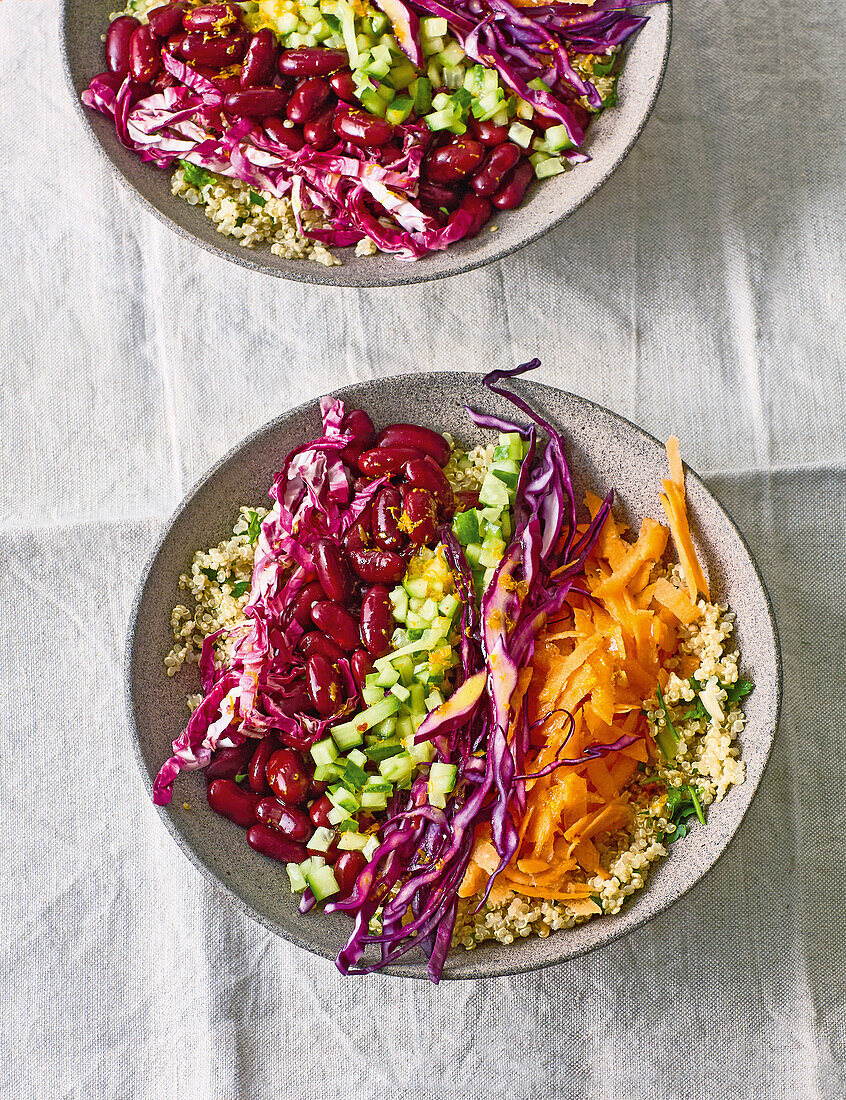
x=352, y=842
x=323, y=883
x=324, y=752
x=322, y=839
x=296, y=878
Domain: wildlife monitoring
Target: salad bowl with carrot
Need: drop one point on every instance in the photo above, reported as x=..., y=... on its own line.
x=462, y=709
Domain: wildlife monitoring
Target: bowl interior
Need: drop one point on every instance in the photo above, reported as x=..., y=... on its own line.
x=609, y=139
x=605, y=452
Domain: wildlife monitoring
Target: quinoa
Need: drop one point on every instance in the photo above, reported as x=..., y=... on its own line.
x=465, y=470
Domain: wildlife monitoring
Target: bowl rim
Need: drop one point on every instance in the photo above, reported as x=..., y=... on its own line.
x=610, y=932
x=408, y=273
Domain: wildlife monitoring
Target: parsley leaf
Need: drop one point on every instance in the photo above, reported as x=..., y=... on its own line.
x=253, y=527
x=211, y=574
x=196, y=176
x=239, y=588
x=667, y=738
x=257, y=200
x=683, y=806
x=737, y=691
x=240, y=778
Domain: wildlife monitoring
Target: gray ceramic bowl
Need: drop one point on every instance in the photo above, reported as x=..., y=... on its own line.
x=609, y=140
x=605, y=451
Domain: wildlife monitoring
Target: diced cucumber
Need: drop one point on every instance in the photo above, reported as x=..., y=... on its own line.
x=322, y=838
x=418, y=696
x=286, y=23
x=370, y=847
x=507, y=471
x=327, y=773
x=423, y=753
x=537, y=85
x=490, y=558
x=338, y=814
x=405, y=667
x=344, y=13
x=466, y=527
x=373, y=800
x=440, y=120
x=371, y=101
x=296, y=878
x=552, y=166
x=322, y=883
x=374, y=714
x=402, y=75
x=387, y=677
x=451, y=56
x=343, y=797
x=434, y=699
x=557, y=139
x=429, y=610
x=449, y=605
x=383, y=751
x=347, y=736
x=378, y=22
x=385, y=729
x=310, y=14
x=352, y=842
x=389, y=658
x=432, y=26
x=421, y=91
x=441, y=782
x=454, y=76
x=399, y=602
x=416, y=586
x=397, y=768
x=354, y=777
x=493, y=492
x=432, y=47
x=324, y=752
x=348, y=825
x=400, y=691
x=372, y=693
x=472, y=552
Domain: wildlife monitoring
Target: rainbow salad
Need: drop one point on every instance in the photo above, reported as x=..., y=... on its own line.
x=399, y=126
x=444, y=697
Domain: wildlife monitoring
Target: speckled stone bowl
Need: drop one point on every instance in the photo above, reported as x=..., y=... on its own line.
x=609, y=140
x=605, y=451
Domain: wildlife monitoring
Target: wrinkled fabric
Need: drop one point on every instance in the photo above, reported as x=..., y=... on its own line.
x=700, y=292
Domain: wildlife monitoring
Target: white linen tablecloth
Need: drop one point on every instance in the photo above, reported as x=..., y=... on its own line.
x=701, y=291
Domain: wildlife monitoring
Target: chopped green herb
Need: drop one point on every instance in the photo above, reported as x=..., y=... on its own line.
x=240, y=778
x=196, y=176
x=211, y=574
x=239, y=588
x=253, y=527
x=257, y=200
x=737, y=691
x=698, y=708
x=683, y=806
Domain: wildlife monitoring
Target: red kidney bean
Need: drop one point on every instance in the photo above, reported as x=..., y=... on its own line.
x=348, y=866
x=453, y=162
x=337, y=623
x=324, y=684
x=297, y=700
x=174, y=43
x=260, y=59
x=319, y=812
x=287, y=820
x=387, y=460
x=361, y=664
x=343, y=85
x=480, y=211
x=216, y=52
x=268, y=842
x=356, y=538
x=412, y=435
x=309, y=594
x=316, y=789
x=377, y=566
x=377, y=620
x=330, y=853
x=419, y=507
x=514, y=187
x=165, y=20
x=488, y=133
x=145, y=58
x=227, y=799
x=117, y=43
x=311, y=61
x=229, y=85
x=218, y=19
x=360, y=128
x=255, y=102
x=307, y=99
x=332, y=571
x=287, y=777
x=435, y=196
x=227, y=763
x=360, y=426
x=318, y=131
x=289, y=136
x=499, y=161
x=315, y=642
x=256, y=772
x=425, y=473
x=466, y=498
x=386, y=516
